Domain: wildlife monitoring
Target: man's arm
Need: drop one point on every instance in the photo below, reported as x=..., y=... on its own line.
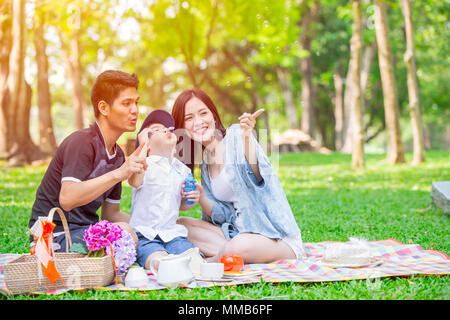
x=75, y=194
x=111, y=212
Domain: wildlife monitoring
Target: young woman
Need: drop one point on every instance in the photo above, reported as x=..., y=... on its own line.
x=244, y=208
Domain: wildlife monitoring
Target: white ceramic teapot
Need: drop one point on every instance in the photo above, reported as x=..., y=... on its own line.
x=172, y=271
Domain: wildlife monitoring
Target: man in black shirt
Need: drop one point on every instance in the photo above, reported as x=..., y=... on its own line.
x=88, y=168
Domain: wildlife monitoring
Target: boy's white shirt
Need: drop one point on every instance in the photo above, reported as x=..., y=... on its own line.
x=156, y=202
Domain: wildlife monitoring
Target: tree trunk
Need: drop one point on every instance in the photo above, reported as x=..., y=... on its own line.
x=71, y=56
x=289, y=104
x=367, y=59
x=348, y=130
x=347, y=135
x=16, y=74
x=366, y=64
x=338, y=109
x=309, y=15
x=395, y=147
x=5, y=48
x=413, y=86
x=21, y=149
x=322, y=119
x=355, y=52
x=47, y=141
x=16, y=83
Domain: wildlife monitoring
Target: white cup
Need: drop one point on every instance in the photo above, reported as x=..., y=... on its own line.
x=211, y=271
x=136, y=277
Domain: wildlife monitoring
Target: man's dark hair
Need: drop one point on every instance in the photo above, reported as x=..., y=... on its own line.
x=108, y=85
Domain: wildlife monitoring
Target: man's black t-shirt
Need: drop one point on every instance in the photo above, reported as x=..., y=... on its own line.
x=81, y=156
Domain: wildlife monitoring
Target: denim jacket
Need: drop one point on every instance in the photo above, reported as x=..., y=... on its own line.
x=264, y=206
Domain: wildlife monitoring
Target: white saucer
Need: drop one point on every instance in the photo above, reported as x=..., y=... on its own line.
x=374, y=262
x=241, y=274
x=214, y=280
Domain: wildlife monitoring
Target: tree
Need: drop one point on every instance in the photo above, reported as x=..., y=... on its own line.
x=69, y=35
x=338, y=108
x=5, y=48
x=355, y=56
x=47, y=141
x=395, y=152
x=309, y=16
x=330, y=53
x=16, y=102
x=413, y=86
x=369, y=50
x=16, y=80
x=289, y=103
x=232, y=57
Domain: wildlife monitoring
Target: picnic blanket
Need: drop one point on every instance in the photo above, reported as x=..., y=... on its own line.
x=398, y=260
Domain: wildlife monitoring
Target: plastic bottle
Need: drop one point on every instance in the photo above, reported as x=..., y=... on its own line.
x=189, y=186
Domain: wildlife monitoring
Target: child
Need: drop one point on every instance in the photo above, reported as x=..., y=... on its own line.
x=157, y=194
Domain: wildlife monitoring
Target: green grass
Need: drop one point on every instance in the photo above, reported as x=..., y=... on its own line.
x=330, y=201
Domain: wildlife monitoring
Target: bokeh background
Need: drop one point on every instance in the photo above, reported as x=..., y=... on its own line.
x=291, y=57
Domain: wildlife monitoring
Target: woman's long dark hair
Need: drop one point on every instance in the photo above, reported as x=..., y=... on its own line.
x=178, y=113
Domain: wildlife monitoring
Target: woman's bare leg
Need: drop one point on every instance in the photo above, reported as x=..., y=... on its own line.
x=256, y=248
x=204, y=235
x=252, y=247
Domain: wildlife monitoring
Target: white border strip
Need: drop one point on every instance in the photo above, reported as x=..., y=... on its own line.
x=70, y=179
x=112, y=200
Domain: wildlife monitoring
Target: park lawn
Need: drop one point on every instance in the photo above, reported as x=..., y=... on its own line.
x=330, y=201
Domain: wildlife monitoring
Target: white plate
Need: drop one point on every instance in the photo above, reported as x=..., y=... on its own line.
x=374, y=263
x=214, y=280
x=241, y=274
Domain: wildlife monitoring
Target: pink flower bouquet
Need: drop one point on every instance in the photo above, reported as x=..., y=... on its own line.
x=105, y=234
x=101, y=235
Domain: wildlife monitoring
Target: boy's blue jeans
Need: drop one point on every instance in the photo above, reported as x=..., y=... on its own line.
x=146, y=247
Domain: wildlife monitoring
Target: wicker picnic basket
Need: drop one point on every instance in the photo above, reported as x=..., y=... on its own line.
x=76, y=270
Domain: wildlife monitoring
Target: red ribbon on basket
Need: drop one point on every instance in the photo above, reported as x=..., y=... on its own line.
x=43, y=249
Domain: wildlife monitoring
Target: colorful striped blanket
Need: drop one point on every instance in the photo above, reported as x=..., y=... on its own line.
x=397, y=260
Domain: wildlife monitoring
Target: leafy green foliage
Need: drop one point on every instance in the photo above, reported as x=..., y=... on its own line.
x=79, y=248
x=231, y=48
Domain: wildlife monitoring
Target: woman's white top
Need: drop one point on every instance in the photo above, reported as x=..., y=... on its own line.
x=222, y=190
